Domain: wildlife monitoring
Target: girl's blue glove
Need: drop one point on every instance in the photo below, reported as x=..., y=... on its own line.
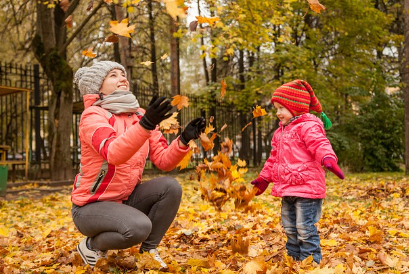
x=261, y=184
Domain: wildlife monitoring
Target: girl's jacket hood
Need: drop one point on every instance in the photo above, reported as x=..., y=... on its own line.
x=114, y=148
x=294, y=165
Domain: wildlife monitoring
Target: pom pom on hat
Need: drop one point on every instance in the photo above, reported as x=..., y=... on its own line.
x=298, y=97
x=89, y=79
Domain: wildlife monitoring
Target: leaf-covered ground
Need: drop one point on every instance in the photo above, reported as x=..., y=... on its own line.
x=364, y=229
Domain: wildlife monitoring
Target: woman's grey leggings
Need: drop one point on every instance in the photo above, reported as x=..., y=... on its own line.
x=143, y=218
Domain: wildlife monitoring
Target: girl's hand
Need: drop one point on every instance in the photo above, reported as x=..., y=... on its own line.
x=332, y=166
x=261, y=185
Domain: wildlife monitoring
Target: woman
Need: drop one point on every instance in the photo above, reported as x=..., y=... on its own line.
x=111, y=206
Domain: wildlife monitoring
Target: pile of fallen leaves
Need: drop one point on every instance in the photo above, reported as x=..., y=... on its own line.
x=364, y=229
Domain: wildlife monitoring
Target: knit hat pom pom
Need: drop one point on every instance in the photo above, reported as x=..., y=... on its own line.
x=326, y=121
x=79, y=73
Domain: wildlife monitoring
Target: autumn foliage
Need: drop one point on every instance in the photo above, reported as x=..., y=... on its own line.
x=364, y=229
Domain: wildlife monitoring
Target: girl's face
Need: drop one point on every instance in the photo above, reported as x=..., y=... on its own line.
x=115, y=80
x=283, y=114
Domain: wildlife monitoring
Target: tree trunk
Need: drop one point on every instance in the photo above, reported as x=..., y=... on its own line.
x=124, y=46
x=174, y=59
x=405, y=78
x=154, y=69
x=60, y=74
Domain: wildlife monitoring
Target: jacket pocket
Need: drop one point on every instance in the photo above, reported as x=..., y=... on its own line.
x=94, y=187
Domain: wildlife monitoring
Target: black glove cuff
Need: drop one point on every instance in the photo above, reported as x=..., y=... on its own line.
x=183, y=140
x=145, y=123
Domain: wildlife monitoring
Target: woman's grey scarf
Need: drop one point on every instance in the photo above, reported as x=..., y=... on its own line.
x=119, y=101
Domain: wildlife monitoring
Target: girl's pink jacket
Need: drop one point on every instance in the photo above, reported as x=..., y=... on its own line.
x=114, y=148
x=294, y=165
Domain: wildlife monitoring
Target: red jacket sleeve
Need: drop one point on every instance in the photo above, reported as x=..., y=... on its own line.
x=317, y=142
x=163, y=156
x=97, y=132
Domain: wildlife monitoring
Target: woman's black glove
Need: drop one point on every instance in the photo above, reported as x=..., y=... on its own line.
x=156, y=112
x=193, y=130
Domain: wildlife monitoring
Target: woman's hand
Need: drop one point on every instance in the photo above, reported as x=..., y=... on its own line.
x=156, y=112
x=193, y=130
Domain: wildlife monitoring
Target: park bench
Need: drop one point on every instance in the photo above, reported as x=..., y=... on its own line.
x=12, y=163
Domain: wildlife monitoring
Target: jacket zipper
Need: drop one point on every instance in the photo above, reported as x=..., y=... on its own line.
x=99, y=180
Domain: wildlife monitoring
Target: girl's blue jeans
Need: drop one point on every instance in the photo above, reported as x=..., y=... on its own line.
x=299, y=216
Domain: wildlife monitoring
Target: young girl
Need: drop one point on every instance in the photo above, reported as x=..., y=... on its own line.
x=299, y=149
x=111, y=206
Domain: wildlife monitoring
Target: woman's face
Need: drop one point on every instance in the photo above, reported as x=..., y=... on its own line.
x=115, y=80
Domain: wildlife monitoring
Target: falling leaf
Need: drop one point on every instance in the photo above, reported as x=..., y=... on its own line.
x=316, y=6
x=258, y=111
x=147, y=63
x=226, y=146
x=68, y=21
x=207, y=143
x=241, y=163
x=112, y=39
x=223, y=128
x=185, y=161
x=211, y=119
x=88, y=52
x=64, y=5
x=223, y=90
x=208, y=129
x=163, y=57
x=173, y=9
x=193, y=25
x=170, y=125
x=208, y=20
x=180, y=101
x=122, y=28
x=91, y=5
x=246, y=126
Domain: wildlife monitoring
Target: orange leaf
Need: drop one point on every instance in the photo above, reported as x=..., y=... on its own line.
x=147, y=63
x=185, y=161
x=209, y=20
x=173, y=9
x=180, y=101
x=88, y=53
x=223, y=90
x=207, y=143
x=64, y=4
x=316, y=6
x=246, y=126
x=68, y=21
x=258, y=111
x=223, y=128
x=122, y=28
x=211, y=119
x=226, y=146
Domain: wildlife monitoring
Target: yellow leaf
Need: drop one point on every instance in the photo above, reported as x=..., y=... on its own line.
x=185, y=161
x=331, y=242
x=180, y=101
x=170, y=123
x=316, y=6
x=208, y=129
x=163, y=57
x=198, y=262
x=173, y=9
x=241, y=163
x=4, y=231
x=147, y=63
x=122, y=28
x=258, y=111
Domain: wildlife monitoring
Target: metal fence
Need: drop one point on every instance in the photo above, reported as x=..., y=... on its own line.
x=13, y=113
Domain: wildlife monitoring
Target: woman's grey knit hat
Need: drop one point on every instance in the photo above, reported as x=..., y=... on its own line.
x=89, y=79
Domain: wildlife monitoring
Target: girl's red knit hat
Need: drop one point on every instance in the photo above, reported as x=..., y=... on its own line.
x=298, y=97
